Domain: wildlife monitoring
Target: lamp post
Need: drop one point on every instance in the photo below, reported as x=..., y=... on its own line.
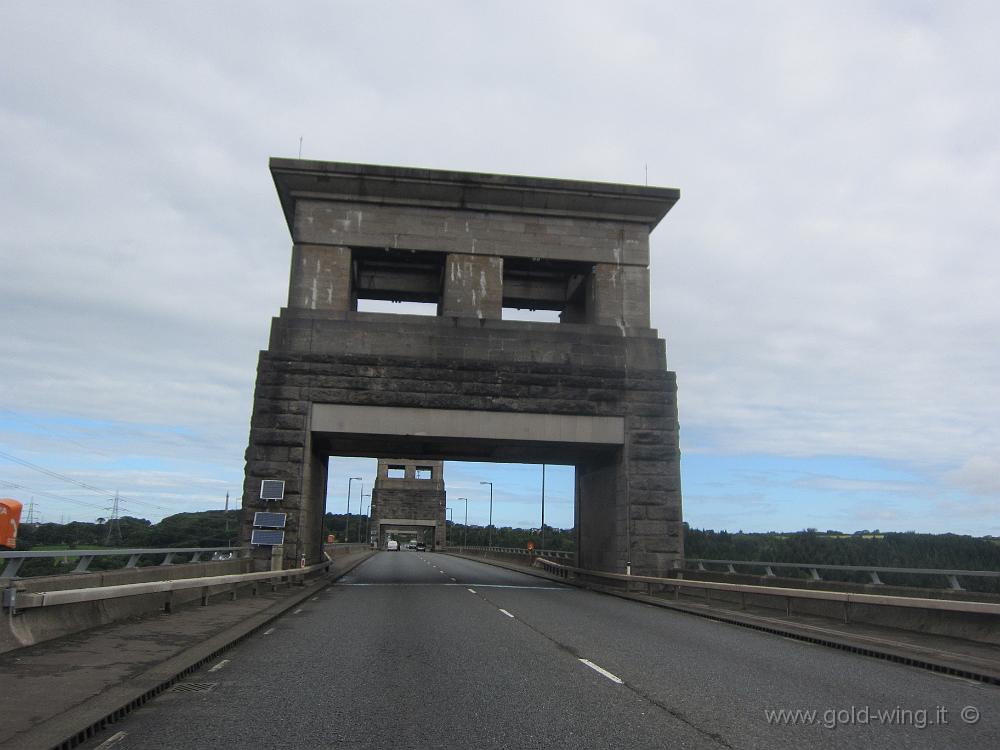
x=347, y=523
x=363, y=514
x=465, y=530
x=542, y=545
x=489, y=537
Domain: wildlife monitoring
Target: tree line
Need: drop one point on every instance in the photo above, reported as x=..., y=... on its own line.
x=216, y=528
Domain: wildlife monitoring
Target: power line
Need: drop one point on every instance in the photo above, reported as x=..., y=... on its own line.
x=60, y=498
x=77, y=482
x=29, y=420
x=56, y=475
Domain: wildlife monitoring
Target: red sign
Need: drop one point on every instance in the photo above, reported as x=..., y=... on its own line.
x=531, y=546
x=10, y=517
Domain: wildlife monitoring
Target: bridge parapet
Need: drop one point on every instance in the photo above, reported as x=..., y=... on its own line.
x=966, y=618
x=14, y=560
x=952, y=577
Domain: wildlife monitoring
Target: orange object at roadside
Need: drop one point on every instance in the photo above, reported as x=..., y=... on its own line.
x=10, y=517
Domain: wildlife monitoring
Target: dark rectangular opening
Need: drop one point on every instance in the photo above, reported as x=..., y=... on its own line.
x=546, y=291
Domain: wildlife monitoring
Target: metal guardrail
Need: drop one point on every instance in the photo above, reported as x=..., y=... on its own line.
x=846, y=598
x=14, y=599
x=15, y=559
x=539, y=553
x=872, y=571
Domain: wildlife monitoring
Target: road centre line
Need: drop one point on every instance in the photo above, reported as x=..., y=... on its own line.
x=507, y=613
x=111, y=741
x=601, y=670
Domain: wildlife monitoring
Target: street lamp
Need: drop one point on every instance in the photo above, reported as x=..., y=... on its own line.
x=363, y=514
x=347, y=523
x=489, y=542
x=465, y=530
x=542, y=545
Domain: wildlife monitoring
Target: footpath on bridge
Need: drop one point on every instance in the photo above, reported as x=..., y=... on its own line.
x=956, y=656
x=65, y=688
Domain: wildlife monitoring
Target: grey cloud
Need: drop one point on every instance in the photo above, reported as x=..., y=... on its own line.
x=826, y=285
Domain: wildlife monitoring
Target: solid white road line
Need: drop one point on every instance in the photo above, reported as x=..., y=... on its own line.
x=219, y=666
x=111, y=741
x=604, y=672
x=480, y=585
x=269, y=631
x=506, y=613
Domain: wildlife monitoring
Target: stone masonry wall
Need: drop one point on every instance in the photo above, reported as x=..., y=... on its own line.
x=493, y=369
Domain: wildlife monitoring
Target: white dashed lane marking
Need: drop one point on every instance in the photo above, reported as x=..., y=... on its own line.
x=601, y=670
x=506, y=613
x=111, y=741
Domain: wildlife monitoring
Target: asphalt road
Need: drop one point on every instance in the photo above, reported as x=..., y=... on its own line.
x=420, y=650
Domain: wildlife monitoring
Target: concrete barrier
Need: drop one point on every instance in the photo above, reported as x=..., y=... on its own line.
x=957, y=618
x=35, y=616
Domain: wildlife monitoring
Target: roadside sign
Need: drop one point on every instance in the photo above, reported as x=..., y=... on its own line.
x=531, y=546
x=10, y=517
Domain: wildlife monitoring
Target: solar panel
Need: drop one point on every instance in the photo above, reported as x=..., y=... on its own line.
x=273, y=520
x=267, y=536
x=272, y=489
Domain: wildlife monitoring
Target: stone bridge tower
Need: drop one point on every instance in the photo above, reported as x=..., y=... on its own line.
x=409, y=497
x=591, y=390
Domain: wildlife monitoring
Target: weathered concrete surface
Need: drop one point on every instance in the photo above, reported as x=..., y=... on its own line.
x=55, y=689
x=36, y=625
x=335, y=381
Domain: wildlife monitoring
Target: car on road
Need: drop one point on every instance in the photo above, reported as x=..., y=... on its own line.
x=420, y=547
x=411, y=545
x=392, y=546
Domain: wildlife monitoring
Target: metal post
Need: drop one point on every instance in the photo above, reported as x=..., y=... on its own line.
x=446, y=527
x=364, y=515
x=361, y=497
x=542, y=545
x=347, y=523
x=465, y=531
x=489, y=535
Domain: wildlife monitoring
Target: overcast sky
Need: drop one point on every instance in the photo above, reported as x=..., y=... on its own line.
x=827, y=285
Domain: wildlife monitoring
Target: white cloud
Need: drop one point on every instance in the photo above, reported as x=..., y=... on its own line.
x=826, y=285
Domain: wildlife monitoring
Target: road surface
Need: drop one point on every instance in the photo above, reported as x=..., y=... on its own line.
x=423, y=650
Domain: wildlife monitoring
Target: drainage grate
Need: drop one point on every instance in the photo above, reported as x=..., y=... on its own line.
x=193, y=687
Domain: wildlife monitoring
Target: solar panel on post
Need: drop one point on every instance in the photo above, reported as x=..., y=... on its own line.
x=271, y=520
x=267, y=537
x=272, y=489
